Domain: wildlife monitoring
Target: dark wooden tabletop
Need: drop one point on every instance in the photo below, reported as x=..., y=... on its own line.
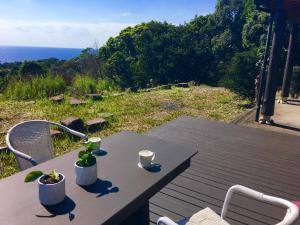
x=266, y=161
x=121, y=189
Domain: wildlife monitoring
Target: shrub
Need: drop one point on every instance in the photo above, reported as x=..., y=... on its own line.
x=39, y=87
x=241, y=73
x=83, y=85
x=106, y=85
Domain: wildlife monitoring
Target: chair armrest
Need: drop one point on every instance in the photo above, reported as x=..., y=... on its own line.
x=76, y=133
x=165, y=221
x=292, y=210
x=20, y=154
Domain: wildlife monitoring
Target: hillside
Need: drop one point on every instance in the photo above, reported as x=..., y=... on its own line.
x=131, y=111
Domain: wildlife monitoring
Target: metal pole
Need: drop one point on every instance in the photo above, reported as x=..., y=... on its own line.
x=262, y=77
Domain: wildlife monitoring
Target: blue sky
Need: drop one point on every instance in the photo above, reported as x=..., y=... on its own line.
x=82, y=23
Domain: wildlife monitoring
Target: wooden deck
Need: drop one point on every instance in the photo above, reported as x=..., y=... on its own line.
x=229, y=154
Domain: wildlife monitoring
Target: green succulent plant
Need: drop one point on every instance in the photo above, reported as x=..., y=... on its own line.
x=85, y=157
x=33, y=175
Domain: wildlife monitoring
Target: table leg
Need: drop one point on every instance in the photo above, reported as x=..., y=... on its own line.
x=139, y=217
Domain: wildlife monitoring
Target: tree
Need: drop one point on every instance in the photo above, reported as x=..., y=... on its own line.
x=31, y=68
x=241, y=73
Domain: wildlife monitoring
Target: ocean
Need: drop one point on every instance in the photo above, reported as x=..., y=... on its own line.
x=20, y=54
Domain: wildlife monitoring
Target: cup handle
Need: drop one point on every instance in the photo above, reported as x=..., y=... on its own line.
x=153, y=157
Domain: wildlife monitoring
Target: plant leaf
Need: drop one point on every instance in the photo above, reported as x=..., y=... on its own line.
x=33, y=175
x=90, y=146
x=81, y=153
x=54, y=175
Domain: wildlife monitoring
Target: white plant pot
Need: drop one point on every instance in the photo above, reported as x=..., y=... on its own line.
x=51, y=194
x=86, y=175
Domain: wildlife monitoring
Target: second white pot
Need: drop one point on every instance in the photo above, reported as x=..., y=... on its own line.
x=86, y=175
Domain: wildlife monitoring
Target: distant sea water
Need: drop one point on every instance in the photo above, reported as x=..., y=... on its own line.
x=20, y=54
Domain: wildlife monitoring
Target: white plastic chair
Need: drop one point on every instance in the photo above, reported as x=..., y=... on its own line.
x=291, y=213
x=30, y=141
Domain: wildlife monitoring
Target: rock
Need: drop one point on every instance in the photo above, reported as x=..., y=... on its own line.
x=116, y=94
x=95, y=97
x=96, y=124
x=106, y=116
x=56, y=134
x=3, y=148
x=182, y=85
x=57, y=99
x=169, y=106
x=74, y=123
x=75, y=101
x=165, y=87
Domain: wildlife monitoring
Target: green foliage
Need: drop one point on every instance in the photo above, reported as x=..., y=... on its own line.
x=86, y=158
x=106, y=85
x=156, y=53
x=33, y=175
x=84, y=85
x=31, y=68
x=241, y=73
x=36, y=88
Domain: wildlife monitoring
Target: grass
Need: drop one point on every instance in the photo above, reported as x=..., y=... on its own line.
x=132, y=111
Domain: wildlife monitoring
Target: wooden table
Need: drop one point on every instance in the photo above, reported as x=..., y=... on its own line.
x=120, y=195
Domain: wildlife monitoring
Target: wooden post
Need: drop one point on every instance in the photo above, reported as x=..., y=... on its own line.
x=288, y=71
x=262, y=76
x=273, y=72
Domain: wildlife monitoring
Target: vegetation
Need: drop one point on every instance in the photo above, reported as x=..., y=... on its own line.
x=131, y=111
x=53, y=176
x=209, y=49
x=37, y=87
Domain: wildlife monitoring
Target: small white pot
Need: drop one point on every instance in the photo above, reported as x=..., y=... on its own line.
x=86, y=175
x=51, y=194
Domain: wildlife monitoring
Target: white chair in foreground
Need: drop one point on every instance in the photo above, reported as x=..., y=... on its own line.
x=30, y=141
x=209, y=217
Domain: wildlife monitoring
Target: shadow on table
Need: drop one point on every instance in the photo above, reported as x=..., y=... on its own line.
x=65, y=207
x=101, y=152
x=101, y=187
x=154, y=168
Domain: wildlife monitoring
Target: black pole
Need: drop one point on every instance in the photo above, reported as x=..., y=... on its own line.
x=262, y=77
x=288, y=71
x=273, y=71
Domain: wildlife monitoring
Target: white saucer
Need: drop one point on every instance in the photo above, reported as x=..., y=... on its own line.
x=142, y=167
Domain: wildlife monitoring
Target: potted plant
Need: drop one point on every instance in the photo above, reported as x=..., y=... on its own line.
x=86, y=165
x=51, y=186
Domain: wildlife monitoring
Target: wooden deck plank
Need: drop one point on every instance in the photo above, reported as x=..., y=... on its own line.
x=229, y=154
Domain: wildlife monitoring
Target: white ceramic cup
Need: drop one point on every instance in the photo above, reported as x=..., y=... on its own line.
x=97, y=141
x=146, y=157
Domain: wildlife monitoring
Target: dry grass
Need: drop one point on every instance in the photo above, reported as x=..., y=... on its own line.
x=132, y=111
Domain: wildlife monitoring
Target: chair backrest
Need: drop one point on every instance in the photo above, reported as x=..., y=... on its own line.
x=32, y=138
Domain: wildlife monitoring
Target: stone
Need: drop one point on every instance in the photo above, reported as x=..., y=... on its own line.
x=75, y=101
x=116, y=94
x=165, y=87
x=169, y=106
x=3, y=148
x=56, y=134
x=106, y=115
x=96, y=124
x=74, y=123
x=94, y=97
x=182, y=85
x=57, y=99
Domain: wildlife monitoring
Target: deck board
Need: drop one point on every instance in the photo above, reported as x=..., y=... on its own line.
x=229, y=154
